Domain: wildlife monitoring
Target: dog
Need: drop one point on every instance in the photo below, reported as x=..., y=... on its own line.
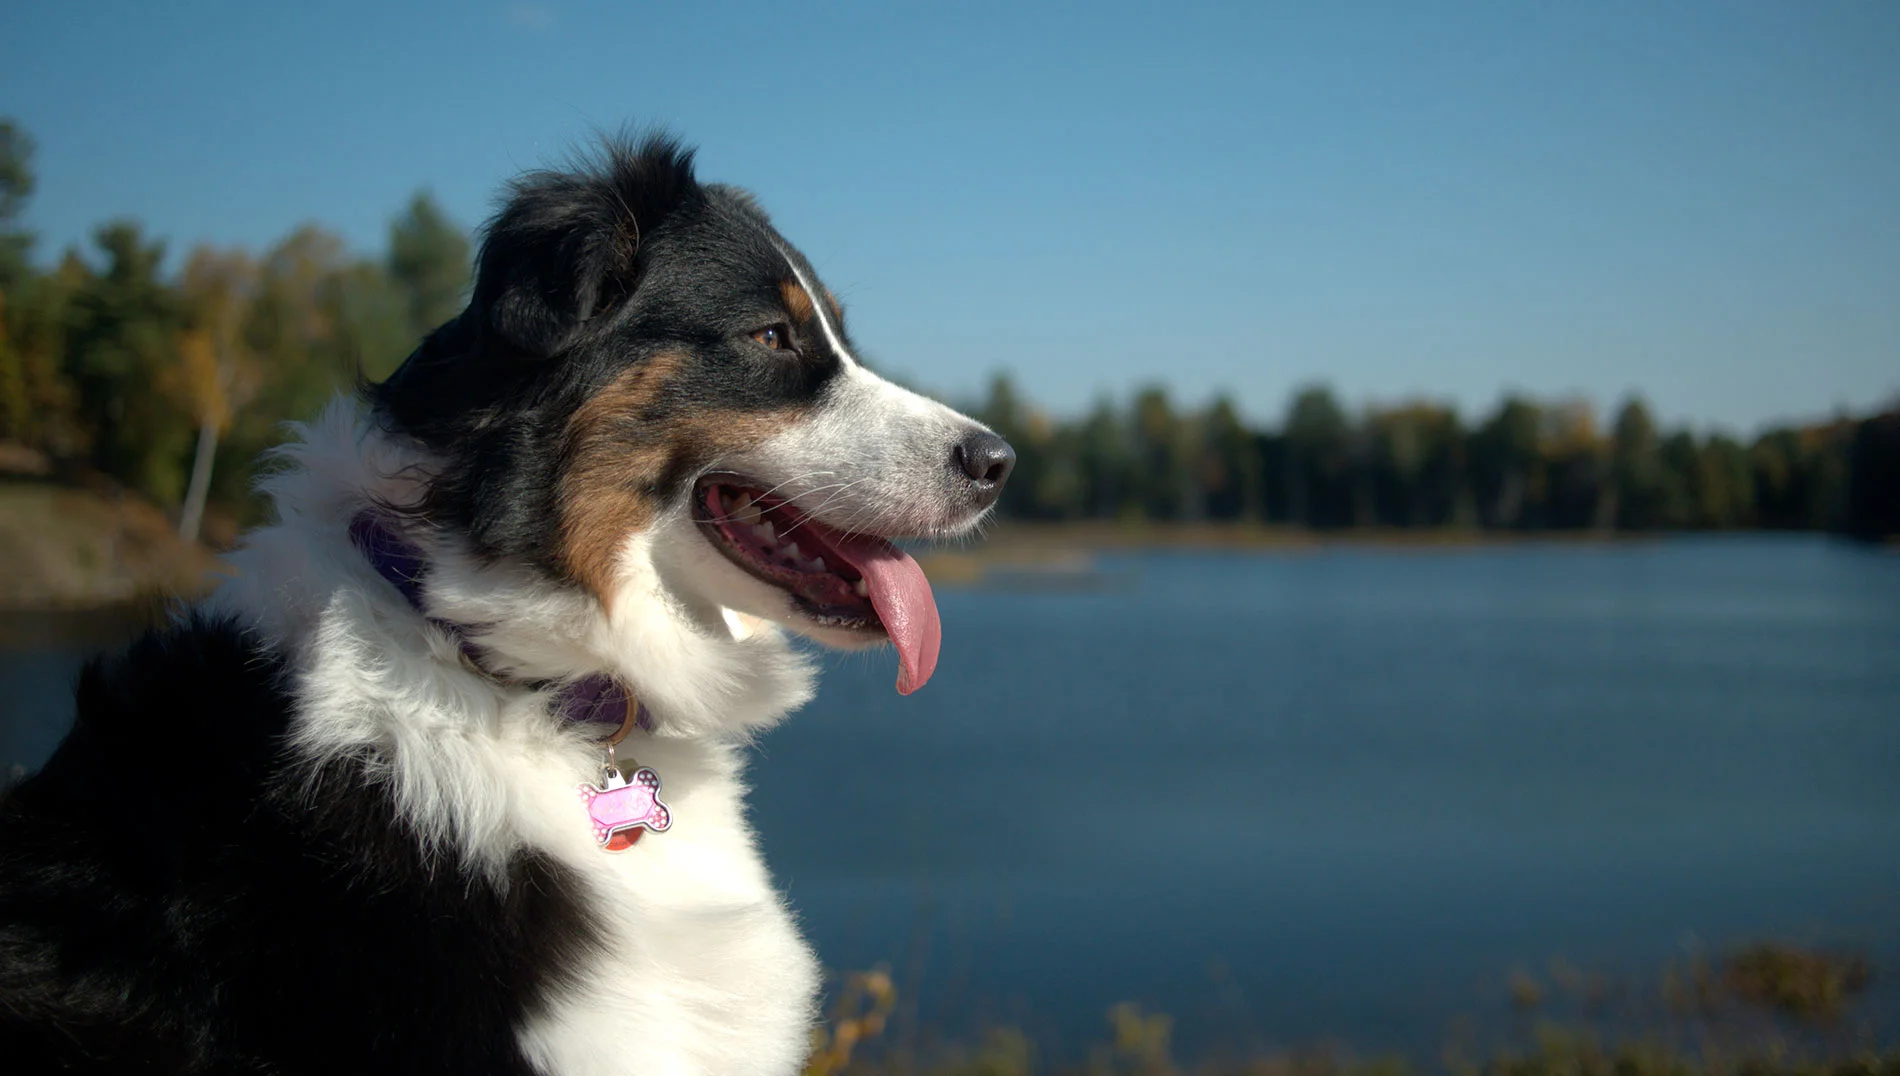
x=447, y=777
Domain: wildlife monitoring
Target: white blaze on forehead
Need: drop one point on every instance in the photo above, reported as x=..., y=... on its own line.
x=818, y=306
x=874, y=453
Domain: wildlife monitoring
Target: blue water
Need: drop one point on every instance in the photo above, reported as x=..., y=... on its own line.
x=1339, y=795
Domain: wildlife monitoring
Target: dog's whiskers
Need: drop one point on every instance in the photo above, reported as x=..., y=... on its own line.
x=728, y=518
x=839, y=490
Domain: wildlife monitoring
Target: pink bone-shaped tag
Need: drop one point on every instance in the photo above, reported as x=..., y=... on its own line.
x=631, y=805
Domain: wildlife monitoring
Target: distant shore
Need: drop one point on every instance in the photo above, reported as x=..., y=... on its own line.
x=1050, y=553
x=74, y=549
x=1150, y=534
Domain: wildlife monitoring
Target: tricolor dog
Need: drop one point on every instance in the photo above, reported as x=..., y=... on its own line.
x=447, y=777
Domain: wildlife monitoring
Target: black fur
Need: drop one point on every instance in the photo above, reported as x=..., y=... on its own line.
x=583, y=275
x=177, y=897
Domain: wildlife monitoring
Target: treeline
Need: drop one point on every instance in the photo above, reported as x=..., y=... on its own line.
x=172, y=383
x=1526, y=466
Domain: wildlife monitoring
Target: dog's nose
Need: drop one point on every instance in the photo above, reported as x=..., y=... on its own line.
x=986, y=460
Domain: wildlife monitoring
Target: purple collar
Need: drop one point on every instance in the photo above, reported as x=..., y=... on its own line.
x=596, y=700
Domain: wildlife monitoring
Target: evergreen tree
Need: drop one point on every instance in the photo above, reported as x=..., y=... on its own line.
x=1158, y=447
x=1418, y=465
x=1107, y=463
x=1317, y=458
x=121, y=341
x=1029, y=434
x=1872, y=509
x=1724, y=486
x=429, y=263
x=1681, y=459
x=1636, y=472
x=16, y=188
x=1232, y=471
x=1576, y=467
x=1507, y=465
x=35, y=397
x=373, y=320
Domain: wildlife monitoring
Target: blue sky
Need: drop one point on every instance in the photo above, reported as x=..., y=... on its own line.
x=1700, y=201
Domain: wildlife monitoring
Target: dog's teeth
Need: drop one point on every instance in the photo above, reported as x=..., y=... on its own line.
x=793, y=553
x=765, y=531
x=743, y=502
x=817, y=564
x=863, y=588
x=748, y=513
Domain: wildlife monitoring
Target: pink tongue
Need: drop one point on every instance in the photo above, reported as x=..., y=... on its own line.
x=901, y=595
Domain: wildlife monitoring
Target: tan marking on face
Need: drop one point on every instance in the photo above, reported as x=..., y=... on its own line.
x=796, y=300
x=716, y=435
x=604, y=485
x=619, y=454
x=837, y=308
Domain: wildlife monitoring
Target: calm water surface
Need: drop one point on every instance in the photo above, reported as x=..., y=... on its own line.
x=1333, y=795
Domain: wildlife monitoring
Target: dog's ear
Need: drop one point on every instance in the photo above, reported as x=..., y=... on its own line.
x=545, y=267
x=565, y=249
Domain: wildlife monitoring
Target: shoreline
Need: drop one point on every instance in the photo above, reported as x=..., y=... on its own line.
x=75, y=552
x=1168, y=534
x=1065, y=554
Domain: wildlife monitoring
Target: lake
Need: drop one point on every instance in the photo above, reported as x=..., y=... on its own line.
x=1334, y=795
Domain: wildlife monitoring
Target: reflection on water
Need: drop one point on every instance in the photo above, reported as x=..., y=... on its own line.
x=1337, y=794
x=40, y=656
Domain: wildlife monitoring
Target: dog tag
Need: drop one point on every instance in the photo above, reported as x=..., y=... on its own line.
x=619, y=808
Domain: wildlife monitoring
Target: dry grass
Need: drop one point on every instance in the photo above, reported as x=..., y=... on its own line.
x=1765, y=1009
x=67, y=548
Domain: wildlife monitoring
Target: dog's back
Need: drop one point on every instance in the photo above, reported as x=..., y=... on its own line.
x=175, y=897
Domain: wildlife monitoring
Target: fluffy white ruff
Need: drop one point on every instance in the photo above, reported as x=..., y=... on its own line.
x=704, y=971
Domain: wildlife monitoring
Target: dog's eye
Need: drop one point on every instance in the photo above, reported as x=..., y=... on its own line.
x=778, y=338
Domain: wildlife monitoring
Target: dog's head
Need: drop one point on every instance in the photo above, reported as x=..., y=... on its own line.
x=648, y=371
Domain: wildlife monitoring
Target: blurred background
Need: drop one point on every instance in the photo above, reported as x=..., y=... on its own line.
x=1446, y=614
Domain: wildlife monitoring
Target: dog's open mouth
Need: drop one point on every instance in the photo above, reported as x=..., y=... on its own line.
x=851, y=582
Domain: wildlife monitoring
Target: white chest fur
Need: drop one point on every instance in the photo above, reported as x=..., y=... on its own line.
x=703, y=970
